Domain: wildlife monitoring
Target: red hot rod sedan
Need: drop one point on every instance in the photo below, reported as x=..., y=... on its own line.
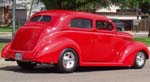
x=69, y=39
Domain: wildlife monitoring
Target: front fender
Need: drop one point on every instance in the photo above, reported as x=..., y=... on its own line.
x=50, y=51
x=127, y=56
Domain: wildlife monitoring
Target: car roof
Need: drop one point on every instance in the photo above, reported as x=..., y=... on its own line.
x=70, y=13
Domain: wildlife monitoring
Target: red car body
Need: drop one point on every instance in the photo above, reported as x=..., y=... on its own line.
x=43, y=41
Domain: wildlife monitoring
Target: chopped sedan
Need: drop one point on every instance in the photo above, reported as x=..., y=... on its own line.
x=68, y=39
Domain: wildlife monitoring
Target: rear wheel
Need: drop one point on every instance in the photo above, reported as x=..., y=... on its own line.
x=68, y=61
x=26, y=65
x=140, y=60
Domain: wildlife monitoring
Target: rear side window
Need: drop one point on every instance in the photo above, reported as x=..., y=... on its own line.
x=35, y=18
x=46, y=19
x=41, y=18
x=81, y=23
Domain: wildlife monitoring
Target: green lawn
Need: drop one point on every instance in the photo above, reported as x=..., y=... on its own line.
x=145, y=40
x=5, y=29
x=1, y=46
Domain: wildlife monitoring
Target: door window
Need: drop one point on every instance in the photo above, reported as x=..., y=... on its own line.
x=102, y=25
x=81, y=23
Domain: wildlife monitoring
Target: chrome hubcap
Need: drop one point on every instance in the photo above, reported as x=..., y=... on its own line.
x=68, y=60
x=140, y=59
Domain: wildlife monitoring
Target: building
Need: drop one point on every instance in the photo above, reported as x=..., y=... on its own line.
x=23, y=10
x=127, y=18
x=26, y=4
x=4, y=11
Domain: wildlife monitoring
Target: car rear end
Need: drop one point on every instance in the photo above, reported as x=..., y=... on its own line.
x=28, y=39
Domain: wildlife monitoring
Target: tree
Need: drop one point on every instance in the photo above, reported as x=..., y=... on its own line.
x=85, y=5
x=145, y=7
x=82, y=5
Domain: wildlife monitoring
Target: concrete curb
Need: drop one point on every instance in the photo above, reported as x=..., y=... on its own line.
x=5, y=34
x=149, y=48
x=138, y=34
x=4, y=63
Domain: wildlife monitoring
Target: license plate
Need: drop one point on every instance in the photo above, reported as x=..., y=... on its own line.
x=18, y=56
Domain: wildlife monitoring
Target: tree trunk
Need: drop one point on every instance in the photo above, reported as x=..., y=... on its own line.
x=149, y=27
x=6, y=15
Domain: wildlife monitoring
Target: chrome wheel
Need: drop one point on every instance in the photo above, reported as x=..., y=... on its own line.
x=140, y=58
x=68, y=60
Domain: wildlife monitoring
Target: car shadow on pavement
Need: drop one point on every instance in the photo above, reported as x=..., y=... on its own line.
x=50, y=69
x=94, y=69
x=38, y=69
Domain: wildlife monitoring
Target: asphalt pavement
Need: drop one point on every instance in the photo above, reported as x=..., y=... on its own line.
x=10, y=72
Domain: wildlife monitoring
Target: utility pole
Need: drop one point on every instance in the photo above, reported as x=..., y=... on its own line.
x=14, y=18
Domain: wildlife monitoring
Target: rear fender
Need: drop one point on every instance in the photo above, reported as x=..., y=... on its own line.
x=5, y=49
x=51, y=50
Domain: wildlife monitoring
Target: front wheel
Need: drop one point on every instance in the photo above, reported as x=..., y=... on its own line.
x=140, y=60
x=26, y=65
x=68, y=61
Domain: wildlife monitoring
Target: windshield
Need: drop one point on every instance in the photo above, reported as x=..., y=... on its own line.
x=41, y=18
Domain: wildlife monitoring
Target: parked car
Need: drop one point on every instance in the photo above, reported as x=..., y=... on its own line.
x=120, y=26
x=68, y=39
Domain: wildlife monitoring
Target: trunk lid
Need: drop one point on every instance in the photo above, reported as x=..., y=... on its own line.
x=27, y=38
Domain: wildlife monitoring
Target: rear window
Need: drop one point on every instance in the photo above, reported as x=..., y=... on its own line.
x=41, y=18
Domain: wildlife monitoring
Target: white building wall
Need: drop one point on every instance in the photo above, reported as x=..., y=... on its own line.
x=122, y=17
x=23, y=1
x=111, y=8
x=5, y=3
